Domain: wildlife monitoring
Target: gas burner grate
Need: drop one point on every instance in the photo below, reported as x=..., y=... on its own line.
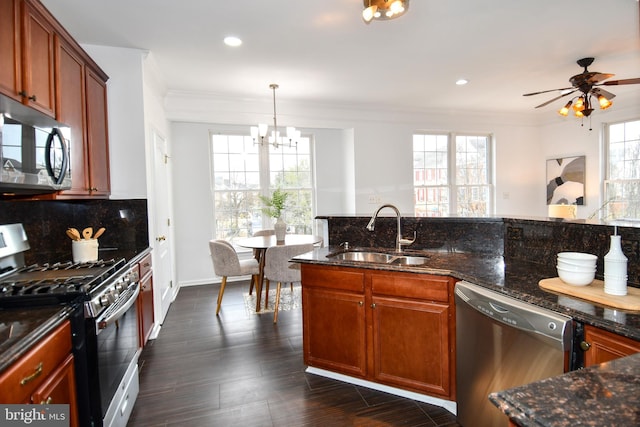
x=68, y=265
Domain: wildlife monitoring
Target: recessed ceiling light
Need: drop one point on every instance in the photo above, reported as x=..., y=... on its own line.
x=461, y=82
x=232, y=41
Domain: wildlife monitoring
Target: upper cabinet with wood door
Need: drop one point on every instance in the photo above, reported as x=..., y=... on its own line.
x=27, y=54
x=42, y=66
x=82, y=104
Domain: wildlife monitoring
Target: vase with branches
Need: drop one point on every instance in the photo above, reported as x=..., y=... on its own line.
x=274, y=206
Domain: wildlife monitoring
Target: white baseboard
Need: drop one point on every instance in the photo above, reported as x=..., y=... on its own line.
x=446, y=404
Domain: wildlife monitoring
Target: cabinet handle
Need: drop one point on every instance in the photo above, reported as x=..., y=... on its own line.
x=22, y=94
x=584, y=346
x=47, y=402
x=373, y=305
x=93, y=189
x=32, y=97
x=360, y=303
x=33, y=376
x=161, y=238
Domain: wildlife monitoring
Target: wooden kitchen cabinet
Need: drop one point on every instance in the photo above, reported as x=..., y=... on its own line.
x=145, y=300
x=390, y=328
x=10, y=48
x=38, y=56
x=44, y=375
x=602, y=346
x=412, y=327
x=27, y=54
x=82, y=105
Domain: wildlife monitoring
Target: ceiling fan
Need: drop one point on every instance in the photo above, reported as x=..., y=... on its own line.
x=588, y=85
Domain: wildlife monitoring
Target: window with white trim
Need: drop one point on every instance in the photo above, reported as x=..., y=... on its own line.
x=452, y=174
x=622, y=180
x=243, y=170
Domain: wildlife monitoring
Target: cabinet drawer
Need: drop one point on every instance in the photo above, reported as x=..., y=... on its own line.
x=21, y=379
x=332, y=278
x=413, y=286
x=145, y=265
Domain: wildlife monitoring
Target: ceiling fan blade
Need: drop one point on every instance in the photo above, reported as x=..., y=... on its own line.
x=623, y=82
x=598, y=77
x=555, y=99
x=597, y=92
x=546, y=91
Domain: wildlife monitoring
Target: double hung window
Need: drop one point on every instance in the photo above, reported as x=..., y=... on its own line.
x=622, y=180
x=452, y=174
x=243, y=170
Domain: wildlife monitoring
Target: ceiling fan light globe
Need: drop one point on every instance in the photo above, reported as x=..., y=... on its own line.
x=564, y=111
x=369, y=13
x=604, y=102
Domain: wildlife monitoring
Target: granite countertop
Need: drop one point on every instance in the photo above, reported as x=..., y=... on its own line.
x=515, y=279
x=607, y=391
x=22, y=328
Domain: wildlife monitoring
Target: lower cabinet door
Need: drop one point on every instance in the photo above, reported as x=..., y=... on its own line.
x=334, y=331
x=411, y=345
x=60, y=387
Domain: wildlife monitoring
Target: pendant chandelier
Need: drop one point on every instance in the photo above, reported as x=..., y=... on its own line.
x=383, y=10
x=259, y=133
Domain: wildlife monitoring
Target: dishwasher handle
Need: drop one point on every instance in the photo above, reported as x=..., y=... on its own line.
x=515, y=313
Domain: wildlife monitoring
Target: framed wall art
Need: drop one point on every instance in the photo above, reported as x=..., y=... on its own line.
x=565, y=180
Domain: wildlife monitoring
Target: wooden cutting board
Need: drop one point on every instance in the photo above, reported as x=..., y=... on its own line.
x=594, y=293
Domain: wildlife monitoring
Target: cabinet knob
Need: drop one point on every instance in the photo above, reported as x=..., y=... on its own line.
x=584, y=346
x=373, y=305
x=22, y=94
x=360, y=303
x=47, y=402
x=32, y=98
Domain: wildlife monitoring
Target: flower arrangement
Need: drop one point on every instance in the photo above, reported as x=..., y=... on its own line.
x=275, y=204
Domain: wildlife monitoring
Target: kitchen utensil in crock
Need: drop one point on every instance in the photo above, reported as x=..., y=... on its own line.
x=74, y=232
x=71, y=235
x=87, y=233
x=99, y=232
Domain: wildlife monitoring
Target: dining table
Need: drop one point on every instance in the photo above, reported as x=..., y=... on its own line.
x=260, y=244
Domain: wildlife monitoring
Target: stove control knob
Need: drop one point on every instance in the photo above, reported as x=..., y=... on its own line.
x=105, y=300
x=120, y=287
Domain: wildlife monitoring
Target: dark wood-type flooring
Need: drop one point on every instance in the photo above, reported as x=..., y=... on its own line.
x=242, y=370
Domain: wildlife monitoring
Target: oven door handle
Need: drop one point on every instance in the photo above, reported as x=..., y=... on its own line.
x=112, y=315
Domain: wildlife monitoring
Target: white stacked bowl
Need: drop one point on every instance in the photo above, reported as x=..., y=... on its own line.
x=576, y=268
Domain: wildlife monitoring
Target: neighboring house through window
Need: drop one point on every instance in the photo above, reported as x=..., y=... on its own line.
x=452, y=174
x=622, y=177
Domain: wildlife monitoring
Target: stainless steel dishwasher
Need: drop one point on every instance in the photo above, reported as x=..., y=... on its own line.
x=502, y=343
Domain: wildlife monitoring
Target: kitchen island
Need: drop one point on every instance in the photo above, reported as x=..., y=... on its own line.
x=519, y=279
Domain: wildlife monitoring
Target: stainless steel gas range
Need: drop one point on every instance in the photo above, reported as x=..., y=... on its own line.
x=104, y=322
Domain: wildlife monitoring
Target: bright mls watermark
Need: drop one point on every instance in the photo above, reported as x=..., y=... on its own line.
x=34, y=415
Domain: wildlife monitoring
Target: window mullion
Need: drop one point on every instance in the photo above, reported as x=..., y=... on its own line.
x=451, y=174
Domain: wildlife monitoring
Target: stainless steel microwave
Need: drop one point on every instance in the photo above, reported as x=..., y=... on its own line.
x=34, y=151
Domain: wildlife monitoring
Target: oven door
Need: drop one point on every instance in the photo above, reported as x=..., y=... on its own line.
x=117, y=354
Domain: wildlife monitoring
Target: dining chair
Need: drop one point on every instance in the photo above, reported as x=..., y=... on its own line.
x=227, y=264
x=277, y=268
x=267, y=232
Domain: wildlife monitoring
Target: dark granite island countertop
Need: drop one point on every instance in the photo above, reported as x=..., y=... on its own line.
x=609, y=391
x=515, y=279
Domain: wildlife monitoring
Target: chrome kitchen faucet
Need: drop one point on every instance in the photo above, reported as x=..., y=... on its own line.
x=399, y=239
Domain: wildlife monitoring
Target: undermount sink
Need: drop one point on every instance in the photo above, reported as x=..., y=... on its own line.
x=380, y=258
x=376, y=257
x=410, y=260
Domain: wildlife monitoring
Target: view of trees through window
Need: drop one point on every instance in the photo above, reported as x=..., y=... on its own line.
x=244, y=170
x=451, y=175
x=622, y=185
